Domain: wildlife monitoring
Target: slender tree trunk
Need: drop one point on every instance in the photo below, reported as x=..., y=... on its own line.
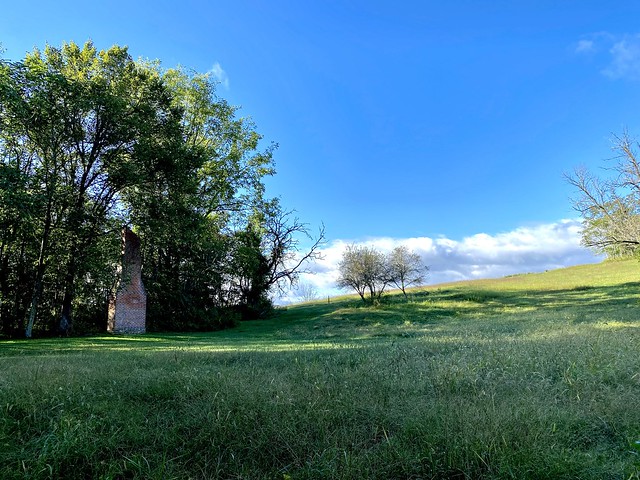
x=65, y=325
x=35, y=300
x=37, y=286
x=65, y=317
x=37, y=290
x=4, y=289
x=22, y=277
x=402, y=285
x=75, y=248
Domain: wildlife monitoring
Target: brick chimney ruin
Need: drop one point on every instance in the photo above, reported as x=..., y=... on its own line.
x=128, y=307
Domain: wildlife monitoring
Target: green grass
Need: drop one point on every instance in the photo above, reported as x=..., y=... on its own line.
x=532, y=376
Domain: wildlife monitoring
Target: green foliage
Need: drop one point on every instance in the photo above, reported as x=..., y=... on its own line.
x=91, y=140
x=526, y=377
x=191, y=218
x=74, y=123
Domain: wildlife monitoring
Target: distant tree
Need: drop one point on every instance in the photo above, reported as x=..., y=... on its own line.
x=364, y=269
x=306, y=292
x=610, y=206
x=405, y=268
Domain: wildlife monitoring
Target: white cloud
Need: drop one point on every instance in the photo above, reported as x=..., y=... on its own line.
x=525, y=249
x=619, y=53
x=220, y=75
x=585, y=46
x=625, y=59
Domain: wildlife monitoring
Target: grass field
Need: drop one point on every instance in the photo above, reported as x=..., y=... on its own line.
x=528, y=377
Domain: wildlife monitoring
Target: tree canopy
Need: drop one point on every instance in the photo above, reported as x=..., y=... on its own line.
x=405, y=268
x=369, y=272
x=92, y=140
x=610, y=204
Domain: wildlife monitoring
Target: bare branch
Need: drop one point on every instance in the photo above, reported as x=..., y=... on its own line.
x=281, y=244
x=610, y=207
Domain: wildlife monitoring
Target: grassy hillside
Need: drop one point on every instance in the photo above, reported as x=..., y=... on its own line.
x=531, y=376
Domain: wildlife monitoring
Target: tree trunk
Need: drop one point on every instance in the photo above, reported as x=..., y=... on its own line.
x=37, y=290
x=35, y=300
x=75, y=247
x=20, y=300
x=64, y=328
x=4, y=289
x=37, y=286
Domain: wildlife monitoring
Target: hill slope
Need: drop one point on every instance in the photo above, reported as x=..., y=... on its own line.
x=532, y=376
x=599, y=292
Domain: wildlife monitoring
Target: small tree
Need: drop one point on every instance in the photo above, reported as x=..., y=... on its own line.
x=364, y=268
x=405, y=268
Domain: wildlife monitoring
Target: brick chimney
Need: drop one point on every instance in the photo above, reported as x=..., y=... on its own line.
x=128, y=307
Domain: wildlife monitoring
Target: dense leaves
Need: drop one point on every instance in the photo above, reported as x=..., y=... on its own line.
x=93, y=140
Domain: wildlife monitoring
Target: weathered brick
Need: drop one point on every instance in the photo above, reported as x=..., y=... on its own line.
x=128, y=307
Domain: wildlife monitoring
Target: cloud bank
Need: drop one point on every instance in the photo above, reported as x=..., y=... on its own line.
x=523, y=250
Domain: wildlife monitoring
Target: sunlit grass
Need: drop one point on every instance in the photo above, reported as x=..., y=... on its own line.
x=534, y=376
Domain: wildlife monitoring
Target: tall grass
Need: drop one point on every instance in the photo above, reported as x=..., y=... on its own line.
x=533, y=376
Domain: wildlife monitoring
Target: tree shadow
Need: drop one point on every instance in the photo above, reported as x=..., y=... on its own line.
x=349, y=322
x=581, y=304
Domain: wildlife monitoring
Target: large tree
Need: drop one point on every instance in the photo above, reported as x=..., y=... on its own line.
x=91, y=140
x=204, y=227
x=610, y=204
x=81, y=125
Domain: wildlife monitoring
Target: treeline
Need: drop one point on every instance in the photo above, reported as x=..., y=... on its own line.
x=93, y=140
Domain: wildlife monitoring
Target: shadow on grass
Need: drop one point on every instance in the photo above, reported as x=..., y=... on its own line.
x=437, y=308
x=349, y=322
x=213, y=342
x=483, y=302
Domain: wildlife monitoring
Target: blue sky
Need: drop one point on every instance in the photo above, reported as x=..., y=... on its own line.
x=396, y=121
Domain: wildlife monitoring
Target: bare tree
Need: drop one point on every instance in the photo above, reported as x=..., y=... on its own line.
x=610, y=206
x=306, y=292
x=364, y=268
x=405, y=268
x=282, y=249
